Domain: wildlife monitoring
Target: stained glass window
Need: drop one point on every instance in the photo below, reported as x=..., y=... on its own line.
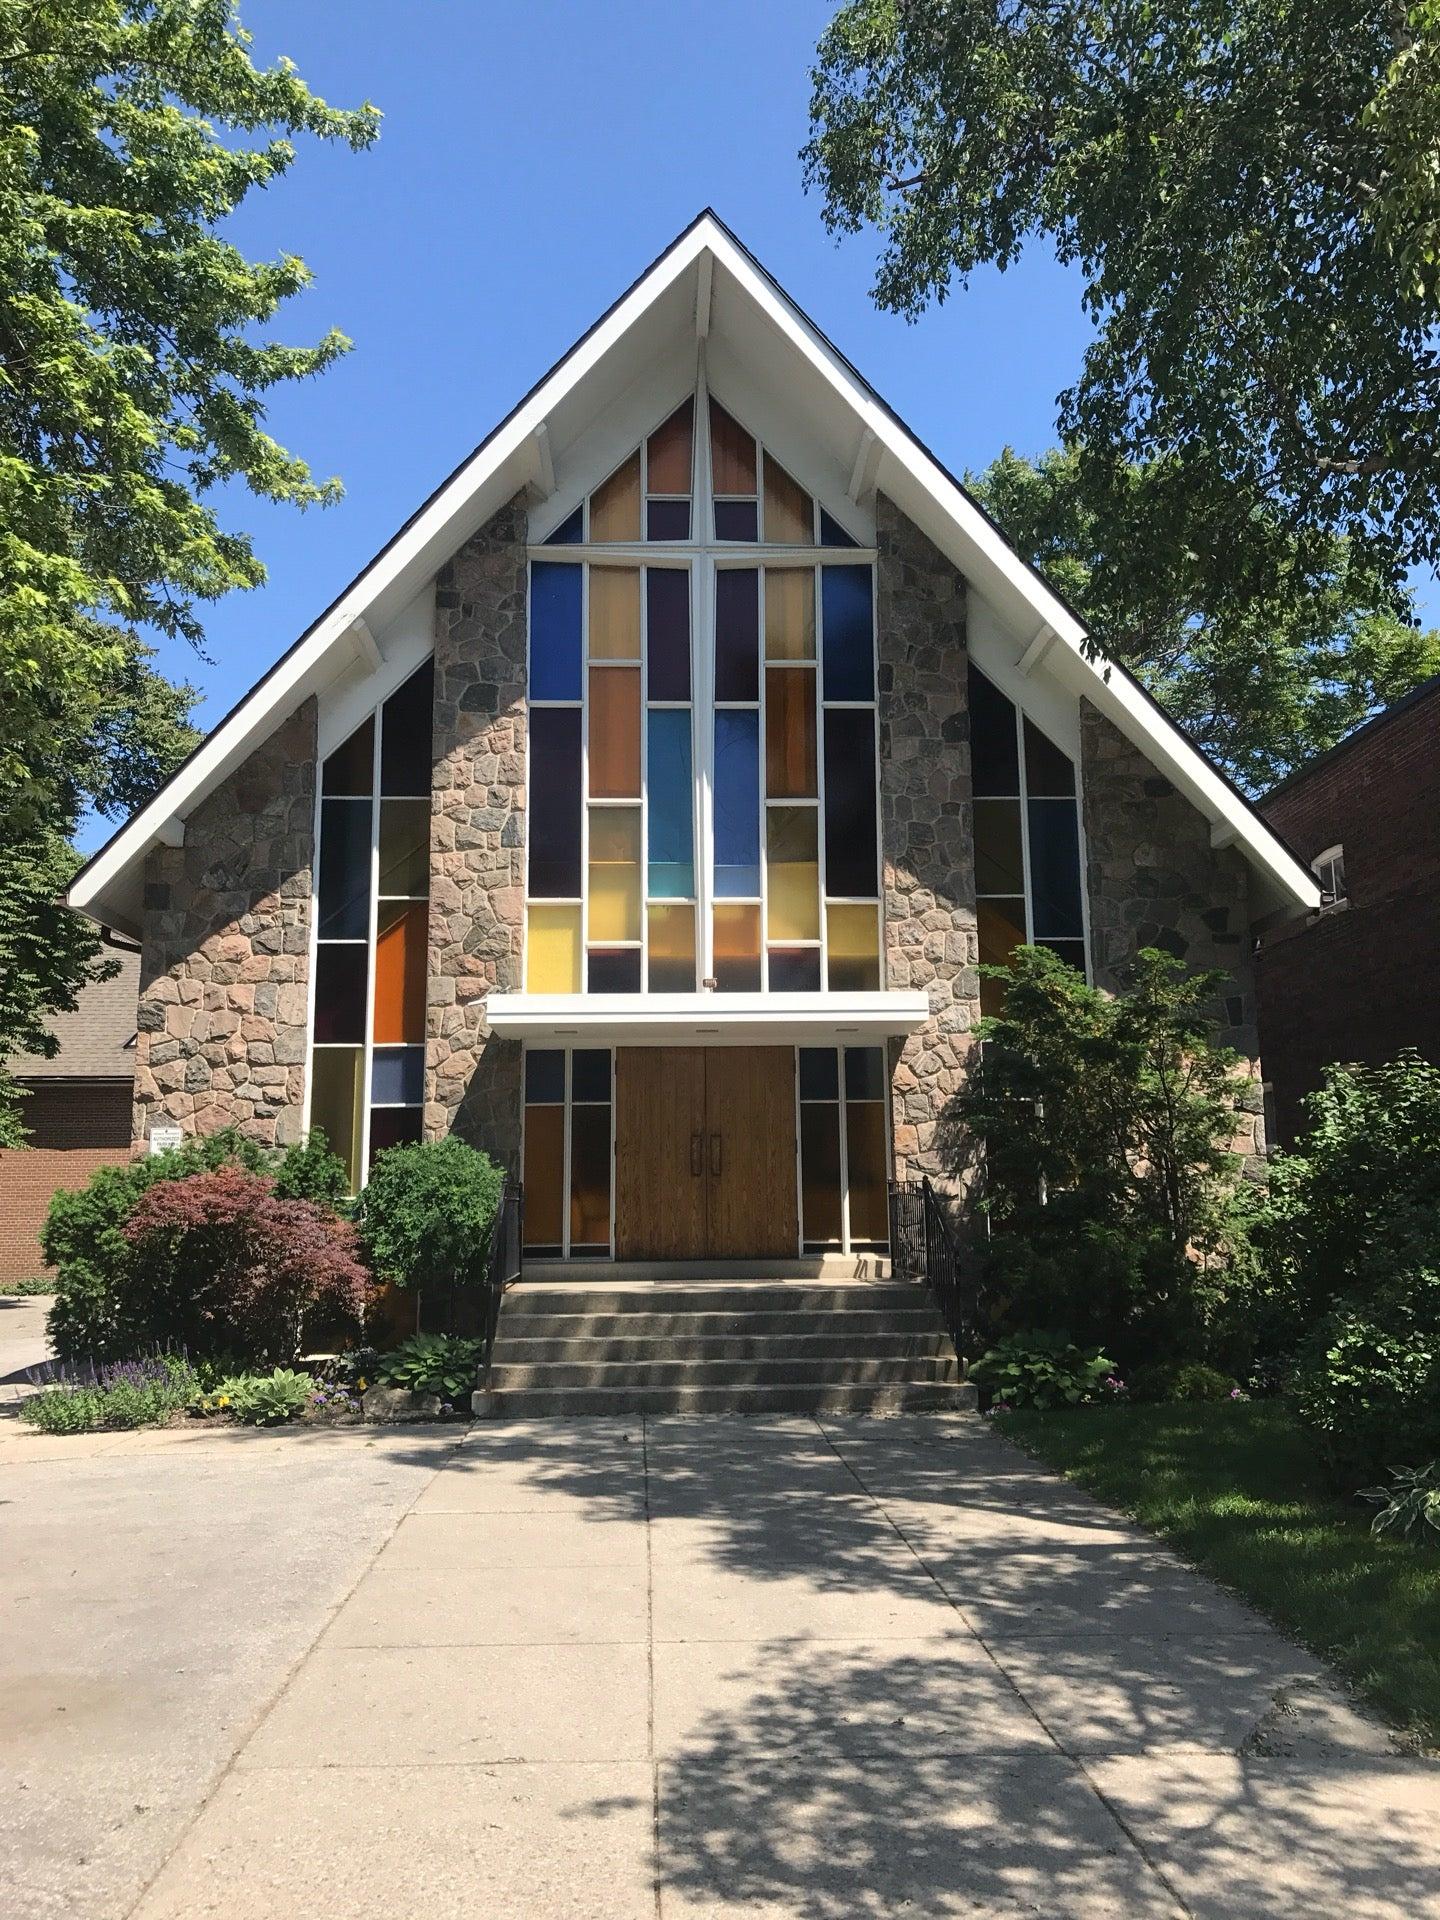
x=1027, y=838
x=367, y=1072
x=844, y=1149
x=779, y=768
x=567, y=1154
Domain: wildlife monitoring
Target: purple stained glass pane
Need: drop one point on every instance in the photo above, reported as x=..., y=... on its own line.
x=667, y=520
x=405, y=735
x=393, y=1127
x=341, y=974
x=544, y=1077
x=554, y=803
x=850, y=872
x=832, y=534
x=737, y=520
x=614, y=970
x=737, y=633
x=397, y=1076
x=794, y=969
x=667, y=610
x=571, y=530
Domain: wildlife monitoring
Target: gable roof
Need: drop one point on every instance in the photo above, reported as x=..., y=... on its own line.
x=97, y=1040
x=705, y=281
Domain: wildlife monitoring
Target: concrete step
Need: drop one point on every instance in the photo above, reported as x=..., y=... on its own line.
x=638, y=1374
x=545, y=1403
x=859, y=1327
x=882, y=1344
x=723, y=1297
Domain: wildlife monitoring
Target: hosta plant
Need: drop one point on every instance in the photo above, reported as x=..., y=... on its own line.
x=1411, y=1502
x=1044, y=1370
x=438, y=1363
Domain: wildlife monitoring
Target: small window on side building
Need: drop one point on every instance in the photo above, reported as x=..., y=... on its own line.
x=1329, y=869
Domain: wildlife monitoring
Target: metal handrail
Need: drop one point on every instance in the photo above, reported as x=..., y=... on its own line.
x=507, y=1259
x=945, y=1270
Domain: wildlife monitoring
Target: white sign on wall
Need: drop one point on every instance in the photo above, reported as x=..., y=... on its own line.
x=162, y=1139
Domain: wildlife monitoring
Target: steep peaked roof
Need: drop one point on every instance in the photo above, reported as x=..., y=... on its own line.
x=707, y=283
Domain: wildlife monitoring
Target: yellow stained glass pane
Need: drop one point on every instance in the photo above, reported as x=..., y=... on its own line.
x=793, y=868
x=789, y=613
x=672, y=948
x=853, y=943
x=789, y=510
x=614, y=873
x=615, y=733
x=336, y=1102
x=552, y=949
x=614, y=613
x=737, y=949
x=789, y=733
x=615, y=505
x=1000, y=929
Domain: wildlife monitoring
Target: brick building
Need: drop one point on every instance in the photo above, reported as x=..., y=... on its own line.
x=77, y=1112
x=643, y=810
x=1360, y=979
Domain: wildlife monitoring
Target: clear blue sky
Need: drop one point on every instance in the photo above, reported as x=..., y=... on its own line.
x=532, y=160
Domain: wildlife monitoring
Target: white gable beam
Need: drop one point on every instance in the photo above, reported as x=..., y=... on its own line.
x=363, y=647
x=1035, y=653
x=544, y=480
x=171, y=832
x=865, y=468
x=703, y=285
x=1223, y=833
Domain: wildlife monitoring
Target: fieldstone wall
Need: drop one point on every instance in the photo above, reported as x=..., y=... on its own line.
x=477, y=836
x=926, y=830
x=1154, y=880
x=225, y=961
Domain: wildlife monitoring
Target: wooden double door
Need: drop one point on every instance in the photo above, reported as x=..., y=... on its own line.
x=705, y=1153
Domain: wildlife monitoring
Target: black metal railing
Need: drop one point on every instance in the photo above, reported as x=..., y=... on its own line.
x=507, y=1259
x=924, y=1246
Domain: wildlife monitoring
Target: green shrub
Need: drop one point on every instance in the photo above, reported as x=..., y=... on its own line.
x=427, y=1214
x=1044, y=1370
x=262, y=1399
x=110, y=1300
x=27, y=1289
x=1111, y=1193
x=1368, y=1379
x=313, y=1172
x=432, y=1363
x=130, y=1393
x=1410, y=1503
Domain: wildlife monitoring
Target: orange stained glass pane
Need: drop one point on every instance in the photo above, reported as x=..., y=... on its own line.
x=737, y=948
x=790, y=733
x=667, y=453
x=853, y=945
x=819, y=1173
x=865, y=1157
x=615, y=733
x=672, y=949
x=401, y=932
x=544, y=1176
x=614, y=873
x=552, y=949
x=615, y=504
x=793, y=873
x=589, y=1177
x=1000, y=928
x=789, y=510
x=732, y=453
x=614, y=613
x=335, y=1103
x=789, y=613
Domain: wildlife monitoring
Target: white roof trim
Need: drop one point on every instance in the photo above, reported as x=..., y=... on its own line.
x=888, y=456
x=731, y=1019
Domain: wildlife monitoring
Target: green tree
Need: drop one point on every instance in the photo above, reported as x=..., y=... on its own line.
x=133, y=377
x=133, y=362
x=1262, y=680
x=1251, y=192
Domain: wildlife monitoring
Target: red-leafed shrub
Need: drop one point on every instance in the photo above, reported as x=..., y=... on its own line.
x=232, y=1267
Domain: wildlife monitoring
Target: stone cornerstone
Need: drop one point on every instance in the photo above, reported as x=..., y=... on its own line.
x=225, y=962
x=477, y=836
x=926, y=829
x=1154, y=880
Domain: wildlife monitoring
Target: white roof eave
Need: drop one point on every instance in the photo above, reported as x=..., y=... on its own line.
x=108, y=888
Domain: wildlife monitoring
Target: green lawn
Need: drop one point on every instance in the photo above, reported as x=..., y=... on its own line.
x=1238, y=1491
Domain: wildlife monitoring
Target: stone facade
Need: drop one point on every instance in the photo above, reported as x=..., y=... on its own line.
x=477, y=843
x=1154, y=880
x=225, y=962
x=926, y=830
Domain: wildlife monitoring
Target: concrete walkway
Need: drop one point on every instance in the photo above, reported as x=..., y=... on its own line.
x=606, y=1671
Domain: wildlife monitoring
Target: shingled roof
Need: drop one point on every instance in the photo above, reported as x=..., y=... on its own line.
x=97, y=1040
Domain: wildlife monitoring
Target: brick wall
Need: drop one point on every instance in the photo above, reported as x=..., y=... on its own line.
x=75, y=1127
x=1360, y=982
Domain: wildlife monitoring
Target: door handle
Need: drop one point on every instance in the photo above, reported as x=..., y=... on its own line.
x=715, y=1155
x=697, y=1155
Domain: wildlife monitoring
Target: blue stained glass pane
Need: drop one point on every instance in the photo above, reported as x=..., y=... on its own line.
x=397, y=1076
x=737, y=804
x=571, y=530
x=671, y=792
x=848, y=625
x=554, y=631
x=737, y=634
x=832, y=534
x=1055, y=870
